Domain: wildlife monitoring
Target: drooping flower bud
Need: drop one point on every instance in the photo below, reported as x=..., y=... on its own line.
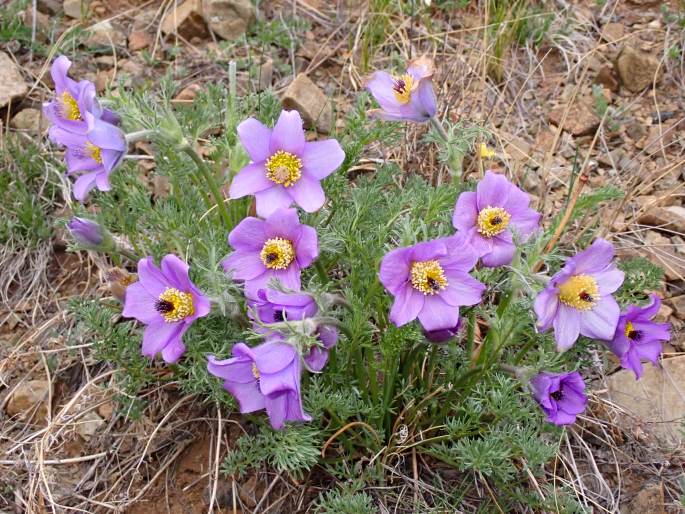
x=89, y=234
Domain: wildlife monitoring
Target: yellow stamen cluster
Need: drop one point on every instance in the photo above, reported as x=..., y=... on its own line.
x=428, y=277
x=402, y=88
x=631, y=333
x=255, y=371
x=485, y=152
x=95, y=152
x=70, y=108
x=277, y=253
x=580, y=292
x=284, y=168
x=175, y=305
x=492, y=221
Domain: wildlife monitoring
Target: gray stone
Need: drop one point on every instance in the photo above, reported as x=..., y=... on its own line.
x=28, y=120
x=228, y=19
x=308, y=99
x=637, y=69
x=12, y=84
x=104, y=34
x=28, y=396
x=75, y=8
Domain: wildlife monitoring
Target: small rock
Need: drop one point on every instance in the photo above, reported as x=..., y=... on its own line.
x=650, y=500
x=49, y=6
x=607, y=77
x=27, y=396
x=637, y=68
x=678, y=304
x=104, y=35
x=580, y=120
x=228, y=19
x=188, y=94
x=89, y=424
x=307, y=98
x=266, y=71
x=106, y=410
x=186, y=20
x=612, y=32
x=75, y=8
x=28, y=120
x=139, y=39
x=669, y=218
x=12, y=84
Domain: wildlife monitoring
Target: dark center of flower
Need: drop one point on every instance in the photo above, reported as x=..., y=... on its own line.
x=402, y=88
x=164, y=306
x=174, y=305
x=557, y=395
x=428, y=277
x=631, y=333
x=278, y=316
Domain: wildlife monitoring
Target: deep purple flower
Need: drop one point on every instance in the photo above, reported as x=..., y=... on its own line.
x=444, y=335
x=560, y=395
x=73, y=100
x=93, y=155
x=488, y=215
x=406, y=98
x=277, y=247
x=285, y=168
x=578, y=298
x=264, y=377
x=274, y=307
x=86, y=233
x=167, y=302
x=637, y=337
x=430, y=281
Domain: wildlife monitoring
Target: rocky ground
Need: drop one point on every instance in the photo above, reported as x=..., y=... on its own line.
x=599, y=92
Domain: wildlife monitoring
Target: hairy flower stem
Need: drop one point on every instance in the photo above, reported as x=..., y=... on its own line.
x=321, y=271
x=140, y=135
x=456, y=160
x=211, y=183
x=127, y=253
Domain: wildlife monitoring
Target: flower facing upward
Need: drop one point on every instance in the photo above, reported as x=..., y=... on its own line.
x=409, y=97
x=637, y=337
x=167, y=302
x=430, y=281
x=73, y=100
x=578, y=298
x=285, y=168
x=93, y=155
x=560, y=395
x=277, y=247
x=264, y=377
x=488, y=215
x=272, y=306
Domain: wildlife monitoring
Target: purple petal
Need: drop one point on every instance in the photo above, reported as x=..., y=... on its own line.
x=243, y=265
x=609, y=281
x=176, y=272
x=436, y=314
x=380, y=84
x=600, y=322
x=465, y=211
x=651, y=330
x=566, y=327
x=83, y=185
x=321, y=158
x=462, y=289
x=492, y=191
x=288, y=134
x=593, y=259
x=151, y=277
x=235, y=369
x=58, y=71
x=249, y=397
x=307, y=193
x=139, y=304
x=546, y=306
x=461, y=256
x=271, y=358
x=250, y=180
x=107, y=136
x=502, y=251
x=525, y=222
x=255, y=137
x=395, y=268
x=249, y=235
x=408, y=304
x=159, y=334
x=424, y=99
x=172, y=352
x=307, y=247
x=271, y=200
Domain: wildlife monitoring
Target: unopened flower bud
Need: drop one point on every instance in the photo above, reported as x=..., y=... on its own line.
x=89, y=234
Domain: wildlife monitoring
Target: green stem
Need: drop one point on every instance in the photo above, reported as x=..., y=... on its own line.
x=470, y=333
x=140, y=135
x=321, y=271
x=211, y=183
x=455, y=162
x=127, y=253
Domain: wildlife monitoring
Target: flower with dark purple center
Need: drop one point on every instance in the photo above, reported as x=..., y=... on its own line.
x=430, y=281
x=73, y=100
x=264, y=377
x=637, y=337
x=409, y=97
x=560, y=395
x=91, y=156
x=578, y=298
x=167, y=302
x=276, y=247
x=489, y=216
x=285, y=168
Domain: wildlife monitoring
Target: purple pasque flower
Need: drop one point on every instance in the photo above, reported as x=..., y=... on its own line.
x=86, y=233
x=488, y=215
x=444, y=335
x=406, y=98
x=430, y=281
x=285, y=168
x=276, y=247
x=73, y=100
x=578, y=298
x=167, y=302
x=560, y=395
x=273, y=306
x=637, y=337
x=92, y=156
x=264, y=377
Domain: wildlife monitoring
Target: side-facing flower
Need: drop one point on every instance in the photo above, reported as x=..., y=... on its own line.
x=276, y=247
x=264, y=377
x=430, y=281
x=488, y=215
x=275, y=307
x=409, y=97
x=637, y=337
x=578, y=298
x=560, y=395
x=87, y=233
x=92, y=156
x=73, y=100
x=167, y=302
x=285, y=168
